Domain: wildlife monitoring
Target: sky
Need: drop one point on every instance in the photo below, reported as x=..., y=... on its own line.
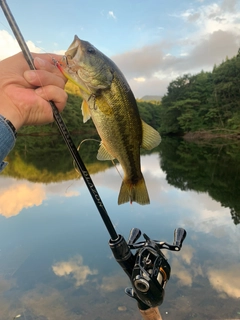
x=153, y=42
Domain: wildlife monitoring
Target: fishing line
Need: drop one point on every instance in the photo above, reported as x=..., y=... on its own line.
x=6, y=27
x=91, y=139
x=78, y=149
x=62, y=127
x=115, y=165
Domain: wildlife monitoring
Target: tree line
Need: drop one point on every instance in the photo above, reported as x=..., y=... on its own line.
x=205, y=101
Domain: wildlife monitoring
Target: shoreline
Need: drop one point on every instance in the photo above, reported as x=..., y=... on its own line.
x=211, y=135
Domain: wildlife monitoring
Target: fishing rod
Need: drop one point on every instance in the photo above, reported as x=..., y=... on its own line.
x=147, y=269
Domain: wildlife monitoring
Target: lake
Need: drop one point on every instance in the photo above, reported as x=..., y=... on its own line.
x=55, y=261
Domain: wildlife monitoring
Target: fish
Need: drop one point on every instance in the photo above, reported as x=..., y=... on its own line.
x=109, y=101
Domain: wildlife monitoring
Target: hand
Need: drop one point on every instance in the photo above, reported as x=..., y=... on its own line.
x=24, y=93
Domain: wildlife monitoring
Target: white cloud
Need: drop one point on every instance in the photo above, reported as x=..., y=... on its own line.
x=213, y=32
x=226, y=280
x=113, y=283
x=112, y=15
x=140, y=79
x=209, y=19
x=61, y=52
x=75, y=268
x=184, y=268
x=181, y=272
x=9, y=45
x=187, y=254
x=27, y=194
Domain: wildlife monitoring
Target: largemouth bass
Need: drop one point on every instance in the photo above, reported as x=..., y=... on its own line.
x=109, y=101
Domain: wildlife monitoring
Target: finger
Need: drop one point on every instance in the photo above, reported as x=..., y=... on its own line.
x=47, y=57
x=53, y=93
x=43, y=64
x=39, y=78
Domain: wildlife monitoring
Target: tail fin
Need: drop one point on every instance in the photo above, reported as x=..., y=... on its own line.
x=133, y=192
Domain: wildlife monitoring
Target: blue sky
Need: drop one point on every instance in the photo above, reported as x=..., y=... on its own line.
x=152, y=42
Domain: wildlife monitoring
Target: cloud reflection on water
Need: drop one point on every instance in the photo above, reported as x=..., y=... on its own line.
x=113, y=283
x=16, y=195
x=20, y=195
x=197, y=212
x=226, y=280
x=74, y=267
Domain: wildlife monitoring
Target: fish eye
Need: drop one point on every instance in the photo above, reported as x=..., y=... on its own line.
x=91, y=50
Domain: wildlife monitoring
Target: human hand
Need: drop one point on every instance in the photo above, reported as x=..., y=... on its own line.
x=24, y=93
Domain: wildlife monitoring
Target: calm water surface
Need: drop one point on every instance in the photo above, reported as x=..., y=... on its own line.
x=55, y=262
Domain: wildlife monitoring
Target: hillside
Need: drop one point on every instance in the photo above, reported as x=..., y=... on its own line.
x=151, y=98
x=207, y=101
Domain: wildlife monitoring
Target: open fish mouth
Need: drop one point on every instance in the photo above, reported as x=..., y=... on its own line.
x=69, y=68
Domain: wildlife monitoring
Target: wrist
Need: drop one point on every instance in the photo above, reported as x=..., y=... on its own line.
x=11, y=114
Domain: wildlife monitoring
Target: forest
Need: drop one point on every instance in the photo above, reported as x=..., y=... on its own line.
x=207, y=101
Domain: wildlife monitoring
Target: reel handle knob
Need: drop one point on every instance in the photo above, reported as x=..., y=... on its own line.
x=179, y=236
x=134, y=235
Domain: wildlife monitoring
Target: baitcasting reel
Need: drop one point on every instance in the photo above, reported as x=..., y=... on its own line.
x=148, y=269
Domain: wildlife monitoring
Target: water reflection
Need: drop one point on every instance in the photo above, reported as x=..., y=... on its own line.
x=55, y=262
x=213, y=168
x=75, y=268
x=27, y=194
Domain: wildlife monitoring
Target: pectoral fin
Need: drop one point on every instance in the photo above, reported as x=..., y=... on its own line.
x=151, y=138
x=103, y=154
x=85, y=111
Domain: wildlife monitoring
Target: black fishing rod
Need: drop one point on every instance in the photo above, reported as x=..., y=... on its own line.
x=147, y=269
x=61, y=126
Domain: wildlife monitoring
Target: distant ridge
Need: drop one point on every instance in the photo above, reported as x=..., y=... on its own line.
x=153, y=98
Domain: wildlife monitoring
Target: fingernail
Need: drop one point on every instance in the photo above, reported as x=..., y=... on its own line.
x=40, y=62
x=30, y=75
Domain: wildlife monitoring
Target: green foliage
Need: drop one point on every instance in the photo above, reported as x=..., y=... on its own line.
x=204, y=101
x=150, y=112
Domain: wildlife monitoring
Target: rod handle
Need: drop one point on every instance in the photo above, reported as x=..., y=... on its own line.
x=151, y=314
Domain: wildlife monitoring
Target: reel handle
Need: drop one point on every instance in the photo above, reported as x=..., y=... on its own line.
x=179, y=236
x=134, y=235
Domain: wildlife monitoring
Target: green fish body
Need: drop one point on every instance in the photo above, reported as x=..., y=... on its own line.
x=109, y=101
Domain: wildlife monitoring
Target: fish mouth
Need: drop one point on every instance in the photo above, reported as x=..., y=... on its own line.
x=73, y=51
x=71, y=74
x=69, y=65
